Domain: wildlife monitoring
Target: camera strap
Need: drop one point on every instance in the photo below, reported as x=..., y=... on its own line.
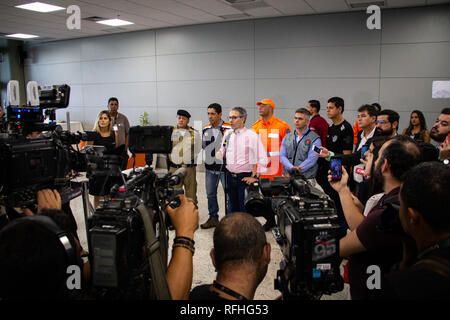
x=228, y=291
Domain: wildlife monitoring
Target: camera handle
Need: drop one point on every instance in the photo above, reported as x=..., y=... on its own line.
x=157, y=265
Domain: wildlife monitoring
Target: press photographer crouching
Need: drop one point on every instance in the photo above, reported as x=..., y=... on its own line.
x=424, y=272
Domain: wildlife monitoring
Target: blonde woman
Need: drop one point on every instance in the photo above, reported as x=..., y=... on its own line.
x=104, y=129
x=105, y=137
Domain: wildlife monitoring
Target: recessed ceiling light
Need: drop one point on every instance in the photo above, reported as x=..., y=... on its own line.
x=22, y=36
x=115, y=22
x=40, y=7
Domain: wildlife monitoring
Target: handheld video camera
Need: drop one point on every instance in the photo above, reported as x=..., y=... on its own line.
x=128, y=232
x=29, y=164
x=306, y=231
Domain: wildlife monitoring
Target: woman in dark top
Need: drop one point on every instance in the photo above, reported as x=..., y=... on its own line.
x=417, y=128
x=103, y=128
x=105, y=136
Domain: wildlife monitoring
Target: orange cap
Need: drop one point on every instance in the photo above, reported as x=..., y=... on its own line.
x=266, y=101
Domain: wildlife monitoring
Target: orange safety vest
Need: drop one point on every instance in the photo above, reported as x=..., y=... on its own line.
x=356, y=130
x=272, y=134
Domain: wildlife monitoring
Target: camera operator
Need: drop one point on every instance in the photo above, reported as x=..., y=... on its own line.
x=241, y=256
x=428, y=223
x=366, y=245
x=34, y=262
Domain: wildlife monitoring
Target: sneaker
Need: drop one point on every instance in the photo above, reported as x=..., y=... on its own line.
x=211, y=223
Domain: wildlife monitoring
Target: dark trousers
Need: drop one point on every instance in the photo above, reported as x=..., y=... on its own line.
x=236, y=191
x=322, y=180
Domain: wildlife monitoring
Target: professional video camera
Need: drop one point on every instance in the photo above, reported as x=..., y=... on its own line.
x=306, y=231
x=128, y=233
x=47, y=161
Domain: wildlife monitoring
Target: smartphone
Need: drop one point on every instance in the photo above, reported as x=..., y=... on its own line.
x=363, y=151
x=336, y=168
x=317, y=149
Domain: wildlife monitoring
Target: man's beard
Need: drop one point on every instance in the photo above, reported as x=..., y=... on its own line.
x=377, y=174
x=437, y=137
x=386, y=133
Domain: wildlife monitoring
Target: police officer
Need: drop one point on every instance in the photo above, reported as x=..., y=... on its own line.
x=187, y=145
x=272, y=131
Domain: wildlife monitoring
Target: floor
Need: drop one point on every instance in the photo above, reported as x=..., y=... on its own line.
x=204, y=272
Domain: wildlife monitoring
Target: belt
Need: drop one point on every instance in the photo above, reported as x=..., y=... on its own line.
x=241, y=175
x=173, y=165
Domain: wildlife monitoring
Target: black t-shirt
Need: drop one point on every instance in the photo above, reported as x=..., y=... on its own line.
x=416, y=282
x=204, y=293
x=109, y=142
x=340, y=137
x=382, y=249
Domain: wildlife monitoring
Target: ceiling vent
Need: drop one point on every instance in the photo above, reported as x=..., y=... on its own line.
x=244, y=5
x=364, y=5
x=93, y=18
x=239, y=1
x=235, y=16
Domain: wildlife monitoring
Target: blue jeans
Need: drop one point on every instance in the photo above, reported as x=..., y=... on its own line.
x=211, y=182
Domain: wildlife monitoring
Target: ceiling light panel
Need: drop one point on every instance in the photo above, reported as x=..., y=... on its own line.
x=22, y=36
x=115, y=22
x=40, y=7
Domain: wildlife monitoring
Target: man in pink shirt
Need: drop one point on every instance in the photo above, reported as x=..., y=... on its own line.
x=242, y=149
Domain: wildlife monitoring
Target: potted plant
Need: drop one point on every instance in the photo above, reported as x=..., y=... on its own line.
x=144, y=119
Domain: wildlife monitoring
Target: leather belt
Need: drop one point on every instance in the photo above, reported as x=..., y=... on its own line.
x=241, y=175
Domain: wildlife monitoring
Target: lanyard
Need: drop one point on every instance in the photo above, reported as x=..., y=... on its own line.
x=228, y=291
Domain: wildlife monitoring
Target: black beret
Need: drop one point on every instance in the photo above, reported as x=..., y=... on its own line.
x=183, y=113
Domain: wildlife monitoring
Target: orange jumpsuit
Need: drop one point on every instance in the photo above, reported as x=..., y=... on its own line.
x=272, y=134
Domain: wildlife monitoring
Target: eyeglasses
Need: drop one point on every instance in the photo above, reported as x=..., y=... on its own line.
x=381, y=122
x=234, y=117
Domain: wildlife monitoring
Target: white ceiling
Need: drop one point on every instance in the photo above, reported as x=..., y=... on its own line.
x=153, y=14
